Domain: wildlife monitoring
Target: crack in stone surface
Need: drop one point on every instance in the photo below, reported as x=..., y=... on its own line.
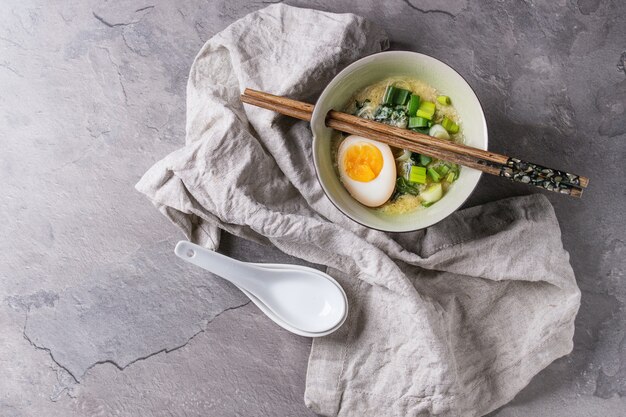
x=76, y=379
x=144, y=8
x=165, y=350
x=29, y=340
x=112, y=25
x=119, y=74
x=132, y=49
x=422, y=10
x=65, y=383
x=130, y=308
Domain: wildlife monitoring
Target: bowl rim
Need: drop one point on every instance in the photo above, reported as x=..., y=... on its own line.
x=336, y=79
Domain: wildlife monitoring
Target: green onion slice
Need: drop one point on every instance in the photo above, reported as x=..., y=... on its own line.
x=389, y=95
x=401, y=96
x=443, y=170
x=433, y=174
x=426, y=110
x=445, y=100
x=417, y=122
x=417, y=174
x=425, y=160
x=414, y=104
x=449, y=125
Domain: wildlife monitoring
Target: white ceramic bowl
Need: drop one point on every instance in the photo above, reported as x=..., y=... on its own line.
x=369, y=70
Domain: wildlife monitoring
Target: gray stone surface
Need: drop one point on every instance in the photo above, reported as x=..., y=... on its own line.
x=127, y=311
x=97, y=317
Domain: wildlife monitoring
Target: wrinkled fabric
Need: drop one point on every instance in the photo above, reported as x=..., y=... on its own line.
x=453, y=320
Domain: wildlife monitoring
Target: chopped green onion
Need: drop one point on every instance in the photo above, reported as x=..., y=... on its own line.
x=417, y=174
x=428, y=204
x=418, y=170
x=426, y=110
x=422, y=122
x=445, y=100
x=401, y=96
x=414, y=104
x=418, y=180
x=390, y=93
x=425, y=160
x=417, y=122
x=443, y=170
x=451, y=177
x=449, y=125
x=434, y=174
x=428, y=106
x=424, y=114
x=455, y=169
x=422, y=130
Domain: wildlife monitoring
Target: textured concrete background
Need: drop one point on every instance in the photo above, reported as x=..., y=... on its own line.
x=98, y=318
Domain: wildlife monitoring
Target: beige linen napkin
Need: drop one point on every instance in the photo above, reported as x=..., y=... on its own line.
x=450, y=321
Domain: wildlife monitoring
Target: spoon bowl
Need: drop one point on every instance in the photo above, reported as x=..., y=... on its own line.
x=276, y=319
x=298, y=297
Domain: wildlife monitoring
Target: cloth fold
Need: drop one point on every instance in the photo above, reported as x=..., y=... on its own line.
x=453, y=320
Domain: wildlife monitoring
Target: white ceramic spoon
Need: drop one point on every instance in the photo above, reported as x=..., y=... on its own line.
x=277, y=319
x=300, y=299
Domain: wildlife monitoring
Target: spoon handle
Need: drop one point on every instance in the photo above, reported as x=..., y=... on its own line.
x=237, y=272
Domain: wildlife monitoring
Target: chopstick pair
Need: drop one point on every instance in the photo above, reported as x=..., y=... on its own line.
x=489, y=162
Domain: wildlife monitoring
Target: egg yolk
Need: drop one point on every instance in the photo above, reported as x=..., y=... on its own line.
x=363, y=162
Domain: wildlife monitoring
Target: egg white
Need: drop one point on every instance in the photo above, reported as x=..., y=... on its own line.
x=376, y=192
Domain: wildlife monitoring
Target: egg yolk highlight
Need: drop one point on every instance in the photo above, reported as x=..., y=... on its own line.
x=363, y=162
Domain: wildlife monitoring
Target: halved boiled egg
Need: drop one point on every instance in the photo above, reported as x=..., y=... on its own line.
x=367, y=169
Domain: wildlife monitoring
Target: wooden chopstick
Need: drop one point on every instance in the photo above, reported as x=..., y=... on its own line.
x=304, y=113
x=485, y=161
